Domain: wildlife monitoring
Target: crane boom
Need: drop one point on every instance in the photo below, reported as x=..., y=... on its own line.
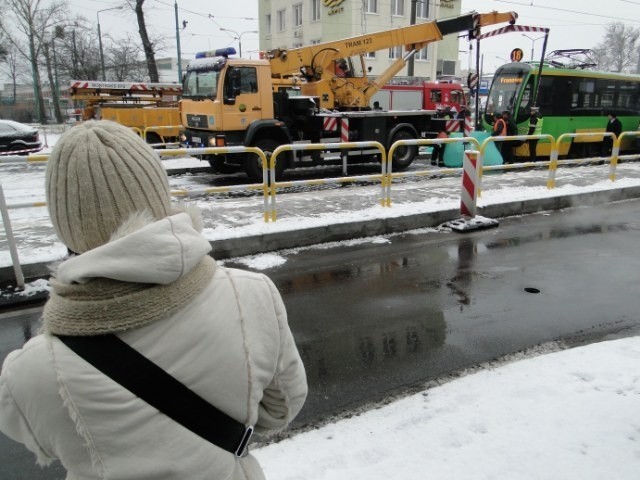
x=317, y=62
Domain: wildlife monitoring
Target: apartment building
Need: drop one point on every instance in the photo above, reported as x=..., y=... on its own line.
x=295, y=23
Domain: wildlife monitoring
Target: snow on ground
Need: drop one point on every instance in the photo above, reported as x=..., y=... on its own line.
x=567, y=415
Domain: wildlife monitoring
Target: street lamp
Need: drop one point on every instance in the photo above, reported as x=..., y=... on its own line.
x=533, y=42
x=238, y=36
x=104, y=77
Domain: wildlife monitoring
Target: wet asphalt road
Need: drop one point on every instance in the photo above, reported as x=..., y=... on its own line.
x=377, y=318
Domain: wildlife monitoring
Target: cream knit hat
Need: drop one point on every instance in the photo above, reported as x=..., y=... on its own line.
x=98, y=174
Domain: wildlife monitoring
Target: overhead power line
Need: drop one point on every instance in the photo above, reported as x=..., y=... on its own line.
x=569, y=11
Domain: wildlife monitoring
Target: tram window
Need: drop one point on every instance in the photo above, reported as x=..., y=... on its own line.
x=606, y=100
x=587, y=85
x=555, y=96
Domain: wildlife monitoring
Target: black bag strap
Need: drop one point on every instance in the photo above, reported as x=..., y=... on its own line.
x=135, y=372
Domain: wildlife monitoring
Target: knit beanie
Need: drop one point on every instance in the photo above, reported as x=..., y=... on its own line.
x=99, y=174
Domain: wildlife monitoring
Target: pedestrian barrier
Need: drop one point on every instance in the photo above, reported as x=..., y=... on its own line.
x=553, y=167
x=518, y=165
x=180, y=152
x=420, y=142
x=615, y=154
x=343, y=146
x=13, y=248
x=42, y=158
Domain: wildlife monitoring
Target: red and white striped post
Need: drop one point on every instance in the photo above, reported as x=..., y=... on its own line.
x=471, y=167
x=469, y=195
x=344, y=137
x=468, y=126
x=344, y=129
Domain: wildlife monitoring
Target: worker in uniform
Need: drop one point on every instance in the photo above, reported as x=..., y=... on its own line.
x=499, y=130
x=437, y=154
x=535, y=128
x=613, y=126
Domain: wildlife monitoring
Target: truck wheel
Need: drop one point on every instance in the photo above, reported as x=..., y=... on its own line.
x=403, y=156
x=253, y=165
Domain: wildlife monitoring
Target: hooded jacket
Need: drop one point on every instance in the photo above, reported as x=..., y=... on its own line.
x=229, y=342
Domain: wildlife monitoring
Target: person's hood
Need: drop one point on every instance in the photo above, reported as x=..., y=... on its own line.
x=142, y=250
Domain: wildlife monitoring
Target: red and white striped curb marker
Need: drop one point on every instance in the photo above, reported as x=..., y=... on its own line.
x=472, y=164
x=469, y=194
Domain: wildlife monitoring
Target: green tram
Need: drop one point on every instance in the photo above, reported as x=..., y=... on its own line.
x=570, y=100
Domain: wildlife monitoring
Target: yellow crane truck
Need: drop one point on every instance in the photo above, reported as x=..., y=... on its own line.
x=316, y=93
x=137, y=105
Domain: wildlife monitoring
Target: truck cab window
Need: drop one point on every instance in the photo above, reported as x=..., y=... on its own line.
x=238, y=81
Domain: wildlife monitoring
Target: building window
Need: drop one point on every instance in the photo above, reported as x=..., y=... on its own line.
x=315, y=42
x=370, y=55
x=315, y=10
x=268, y=24
x=423, y=53
x=297, y=15
x=371, y=6
x=397, y=7
x=422, y=9
x=395, y=52
x=282, y=20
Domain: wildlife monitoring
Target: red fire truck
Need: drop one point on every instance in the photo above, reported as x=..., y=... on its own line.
x=421, y=94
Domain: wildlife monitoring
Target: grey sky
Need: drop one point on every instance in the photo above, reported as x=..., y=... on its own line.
x=573, y=23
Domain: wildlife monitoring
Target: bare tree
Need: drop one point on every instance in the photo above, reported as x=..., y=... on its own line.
x=80, y=53
x=4, y=48
x=148, y=46
x=16, y=69
x=619, y=51
x=127, y=64
x=31, y=21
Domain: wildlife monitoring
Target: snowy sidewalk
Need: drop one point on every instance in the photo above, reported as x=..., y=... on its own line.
x=566, y=415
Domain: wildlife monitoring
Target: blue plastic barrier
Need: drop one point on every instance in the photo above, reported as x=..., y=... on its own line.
x=454, y=152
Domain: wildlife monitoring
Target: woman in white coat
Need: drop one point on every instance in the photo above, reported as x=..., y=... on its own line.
x=141, y=270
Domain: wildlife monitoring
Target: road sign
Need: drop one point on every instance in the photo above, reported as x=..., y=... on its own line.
x=516, y=55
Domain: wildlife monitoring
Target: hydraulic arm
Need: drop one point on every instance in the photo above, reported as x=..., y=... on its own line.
x=319, y=63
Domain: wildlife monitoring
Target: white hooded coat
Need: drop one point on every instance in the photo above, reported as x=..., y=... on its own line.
x=231, y=344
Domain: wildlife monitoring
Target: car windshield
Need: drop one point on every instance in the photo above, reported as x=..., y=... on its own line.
x=201, y=83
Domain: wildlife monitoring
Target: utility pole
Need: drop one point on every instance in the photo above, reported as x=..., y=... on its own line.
x=412, y=21
x=178, y=43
